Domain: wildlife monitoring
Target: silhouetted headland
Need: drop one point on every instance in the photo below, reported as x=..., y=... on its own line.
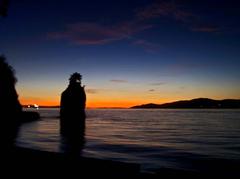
x=195, y=103
x=11, y=113
x=10, y=107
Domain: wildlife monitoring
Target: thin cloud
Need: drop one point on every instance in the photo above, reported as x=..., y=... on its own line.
x=98, y=34
x=161, y=9
x=178, y=12
x=118, y=81
x=206, y=29
x=158, y=84
x=92, y=91
x=93, y=33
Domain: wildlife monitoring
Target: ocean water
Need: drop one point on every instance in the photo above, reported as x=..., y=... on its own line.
x=154, y=138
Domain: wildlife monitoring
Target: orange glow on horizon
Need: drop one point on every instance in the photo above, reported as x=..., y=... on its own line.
x=90, y=104
x=100, y=104
x=39, y=102
x=104, y=102
x=110, y=104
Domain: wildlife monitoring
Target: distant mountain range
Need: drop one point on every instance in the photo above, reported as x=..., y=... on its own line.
x=195, y=103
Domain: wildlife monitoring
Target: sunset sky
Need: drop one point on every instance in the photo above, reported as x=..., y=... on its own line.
x=129, y=52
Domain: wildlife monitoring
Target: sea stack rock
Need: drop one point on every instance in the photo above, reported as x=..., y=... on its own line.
x=73, y=102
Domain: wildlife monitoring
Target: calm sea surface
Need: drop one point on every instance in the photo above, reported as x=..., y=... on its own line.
x=153, y=138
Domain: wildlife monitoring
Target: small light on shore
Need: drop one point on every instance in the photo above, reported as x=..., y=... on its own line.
x=35, y=106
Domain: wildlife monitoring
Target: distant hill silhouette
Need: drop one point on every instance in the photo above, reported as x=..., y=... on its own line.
x=195, y=103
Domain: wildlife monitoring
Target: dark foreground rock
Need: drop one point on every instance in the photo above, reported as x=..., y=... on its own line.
x=28, y=116
x=34, y=163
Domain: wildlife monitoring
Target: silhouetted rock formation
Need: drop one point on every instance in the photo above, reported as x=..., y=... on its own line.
x=29, y=116
x=11, y=113
x=72, y=107
x=196, y=103
x=10, y=108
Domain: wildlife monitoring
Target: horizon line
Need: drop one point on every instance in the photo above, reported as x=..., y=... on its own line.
x=118, y=107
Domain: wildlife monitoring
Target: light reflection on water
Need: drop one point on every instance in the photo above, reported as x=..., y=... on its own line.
x=153, y=138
